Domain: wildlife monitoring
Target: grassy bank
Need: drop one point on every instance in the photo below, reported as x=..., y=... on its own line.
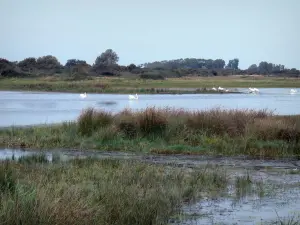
x=129, y=85
x=168, y=131
x=90, y=191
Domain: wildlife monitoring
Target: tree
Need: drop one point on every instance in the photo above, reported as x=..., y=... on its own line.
x=76, y=66
x=48, y=62
x=9, y=69
x=107, y=58
x=131, y=67
x=74, y=62
x=5, y=65
x=233, y=64
x=28, y=64
x=265, y=67
x=253, y=69
x=218, y=64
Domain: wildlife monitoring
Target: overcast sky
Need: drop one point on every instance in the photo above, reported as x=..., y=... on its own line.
x=144, y=31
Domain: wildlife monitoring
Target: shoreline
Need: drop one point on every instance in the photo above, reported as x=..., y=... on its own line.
x=124, y=85
x=152, y=91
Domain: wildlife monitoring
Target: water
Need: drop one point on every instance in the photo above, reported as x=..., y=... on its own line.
x=250, y=210
x=31, y=108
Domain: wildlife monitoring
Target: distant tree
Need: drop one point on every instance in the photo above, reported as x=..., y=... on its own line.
x=263, y=67
x=107, y=58
x=188, y=63
x=218, y=64
x=9, y=69
x=48, y=62
x=253, y=69
x=131, y=67
x=74, y=62
x=233, y=64
x=5, y=65
x=28, y=64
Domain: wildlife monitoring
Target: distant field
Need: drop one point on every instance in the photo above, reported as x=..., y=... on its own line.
x=127, y=85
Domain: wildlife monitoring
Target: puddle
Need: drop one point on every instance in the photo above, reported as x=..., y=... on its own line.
x=64, y=154
x=249, y=210
x=270, y=194
x=17, y=153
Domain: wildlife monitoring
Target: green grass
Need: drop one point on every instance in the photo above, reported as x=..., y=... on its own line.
x=168, y=131
x=91, y=191
x=129, y=85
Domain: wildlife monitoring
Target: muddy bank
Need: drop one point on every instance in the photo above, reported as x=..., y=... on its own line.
x=192, y=161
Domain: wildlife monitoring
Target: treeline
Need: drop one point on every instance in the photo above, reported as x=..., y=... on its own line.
x=107, y=64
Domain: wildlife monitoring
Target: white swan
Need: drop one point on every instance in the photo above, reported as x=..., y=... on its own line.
x=83, y=95
x=253, y=90
x=293, y=91
x=133, y=97
x=221, y=89
x=214, y=89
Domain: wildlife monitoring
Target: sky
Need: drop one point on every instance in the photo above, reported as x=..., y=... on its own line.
x=142, y=31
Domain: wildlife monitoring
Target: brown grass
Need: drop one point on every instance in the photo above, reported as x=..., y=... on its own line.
x=262, y=124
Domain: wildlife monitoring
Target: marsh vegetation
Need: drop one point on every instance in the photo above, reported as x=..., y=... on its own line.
x=93, y=191
x=168, y=131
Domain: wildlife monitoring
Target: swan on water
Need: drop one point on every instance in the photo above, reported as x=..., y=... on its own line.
x=133, y=97
x=253, y=90
x=221, y=89
x=83, y=95
x=293, y=91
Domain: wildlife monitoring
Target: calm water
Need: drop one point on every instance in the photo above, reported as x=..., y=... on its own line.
x=28, y=108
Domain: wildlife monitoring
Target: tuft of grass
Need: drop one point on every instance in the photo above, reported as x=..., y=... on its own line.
x=243, y=186
x=104, y=191
x=152, y=122
x=8, y=180
x=90, y=120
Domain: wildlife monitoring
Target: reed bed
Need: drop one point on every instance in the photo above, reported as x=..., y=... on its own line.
x=169, y=131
